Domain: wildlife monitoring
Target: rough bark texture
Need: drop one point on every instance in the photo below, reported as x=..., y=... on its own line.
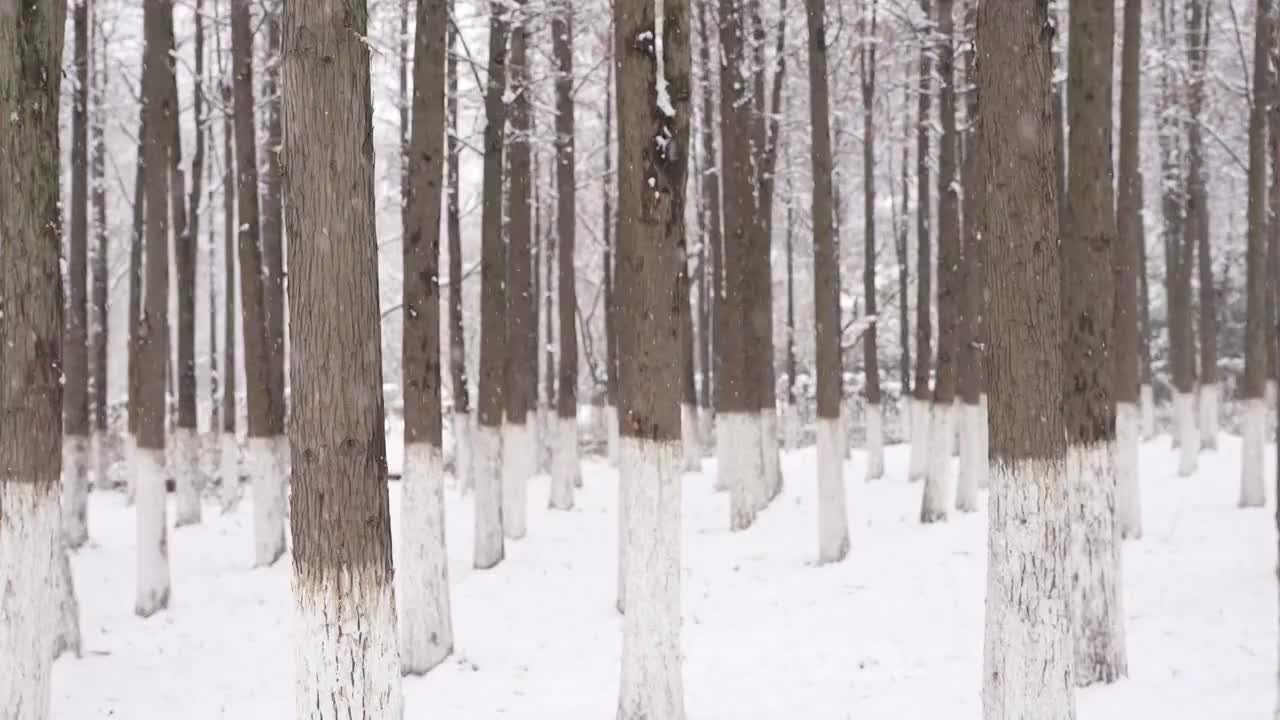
x=187, y=253
x=272, y=227
x=1253, y=384
x=901, y=242
x=711, y=195
x=136, y=271
x=950, y=281
x=453, y=226
x=493, y=270
x=229, y=409
x=1197, y=225
x=924, y=252
x=1127, y=255
x=867, y=76
x=566, y=215
x=101, y=266
x=340, y=518
x=520, y=303
x=75, y=349
x=973, y=339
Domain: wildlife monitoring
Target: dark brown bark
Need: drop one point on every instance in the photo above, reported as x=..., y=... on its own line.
x=950, y=280
x=336, y=433
x=421, y=246
x=1086, y=249
x=1197, y=187
x=651, y=236
x=791, y=300
x=136, y=272
x=453, y=226
x=547, y=271
x=972, y=379
x=153, y=328
x=101, y=266
x=493, y=294
x=566, y=211
x=1253, y=384
x=1020, y=233
x=520, y=302
x=904, y=267
x=75, y=343
x=1127, y=258
x=826, y=261
x=187, y=250
x=1144, y=301
x=272, y=228
x=257, y=349
x=183, y=384
x=867, y=76
x=711, y=194
x=229, y=265
x=609, y=220
x=924, y=252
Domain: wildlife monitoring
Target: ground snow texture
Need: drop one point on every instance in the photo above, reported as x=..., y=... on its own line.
x=766, y=634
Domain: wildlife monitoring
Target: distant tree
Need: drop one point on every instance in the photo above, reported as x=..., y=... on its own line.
x=870, y=339
x=921, y=408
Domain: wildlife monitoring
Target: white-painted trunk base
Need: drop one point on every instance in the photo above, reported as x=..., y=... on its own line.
x=75, y=489
x=462, y=452
x=422, y=567
x=1128, y=487
x=263, y=463
x=738, y=447
x=875, y=442
x=100, y=449
x=1097, y=604
x=611, y=430
x=519, y=461
x=620, y=603
x=921, y=418
x=1209, y=416
x=1147, y=403
x=153, y=531
x=1184, y=409
x=486, y=468
x=651, y=686
x=284, y=468
x=707, y=427
x=229, y=467
x=30, y=541
x=833, y=514
x=957, y=432
x=938, y=488
x=984, y=442
x=973, y=457
x=689, y=438
x=344, y=639
x=66, y=637
x=535, y=420
x=565, y=472
x=130, y=479
x=1028, y=668
x=791, y=430
x=1269, y=395
x=770, y=460
x=186, y=476
x=1252, y=489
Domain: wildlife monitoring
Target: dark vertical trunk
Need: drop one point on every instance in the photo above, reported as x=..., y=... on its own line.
x=1144, y=297
x=229, y=265
x=187, y=250
x=608, y=220
x=1197, y=188
x=710, y=180
x=75, y=344
x=101, y=266
x=519, y=275
x=136, y=274
x=536, y=251
x=453, y=226
x=904, y=267
x=272, y=224
x=566, y=213
x=1253, y=384
x=950, y=285
x=924, y=253
x=184, y=249
x=154, y=325
x=1127, y=259
x=791, y=303
x=547, y=271
x=972, y=380
x=867, y=72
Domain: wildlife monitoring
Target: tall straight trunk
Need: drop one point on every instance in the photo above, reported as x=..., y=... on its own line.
x=1087, y=321
x=101, y=267
x=564, y=465
x=230, y=448
x=273, y=229
x=938, y=490
x=1197, y=226
x=136, y=242
x=870, y=351
x=710, y=179
x=924, y=251
x=344, y=604
x=610, y=304
x=75, y=339
x=1027, y=659
x=1253, y=384
x=148, y=459
x=904, y=268
x=792, y=369
x=264, y=471
x=833, y=523
x=453, y=226
x=973, y=338
x=653, y=96
x=518, y=454
x=31, y=390
x=1127, y=269
x=426, y=628
x=1144, y=295
x=184, y=249
x=486, y=451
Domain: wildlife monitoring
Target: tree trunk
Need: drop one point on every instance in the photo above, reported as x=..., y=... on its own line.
x=792, y=419
x=938, y=489
x=833, y=523
x=610, y=303
x=921, y=408
x=75, y=341
x=710, y=179
x=870, y=358
x=1127, y=266
x=101, y=270
x=457, y=332
x=148, y=462
x=136, y=280
x=486, y=448
x=426, y=629
x=904, y=272
x=31, y=394
x=273, y=241
x=344, y=605
x=653, y=95
x=1027, y=659
x=1198, y=221
x=266, y=475
x=1088, y=318
x=1253, y=384
x=230, y=445
x=1146, y=391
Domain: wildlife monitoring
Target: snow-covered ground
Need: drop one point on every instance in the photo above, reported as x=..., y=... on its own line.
x=894, y=632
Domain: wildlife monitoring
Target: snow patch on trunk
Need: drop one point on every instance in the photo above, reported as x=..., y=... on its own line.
x=152, y=539
x=689, y=438
x=75, y=489
x=519, y=460
x=268, y=500
x=462, y=452
x=1097, y=602
x=422, y=567
x=1027, y=661
x=921, y=412
x=29, y=542
x=770, y=462
x=1128, y=488
x=230, y=469
x=1209, y=416
x=486, y=468
x=565, y=474
x=186, y=474
x=1184, y=406
x=1252, y=490
x=937, y=487
x=1147, y=401
x=833, y=515
x=875, y=442
x=973, y=457
x=344, y=641
x=651, y=685
x=738, y=448
x=611, y=429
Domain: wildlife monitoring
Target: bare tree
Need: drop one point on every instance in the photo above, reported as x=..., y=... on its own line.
x=710, y=180
x=1197, y=219
x=457, y=333
x=870, y=346
x=921, y=407
x=101, y=264
x=273, y=241
x=136, y=279
x=230, y=445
